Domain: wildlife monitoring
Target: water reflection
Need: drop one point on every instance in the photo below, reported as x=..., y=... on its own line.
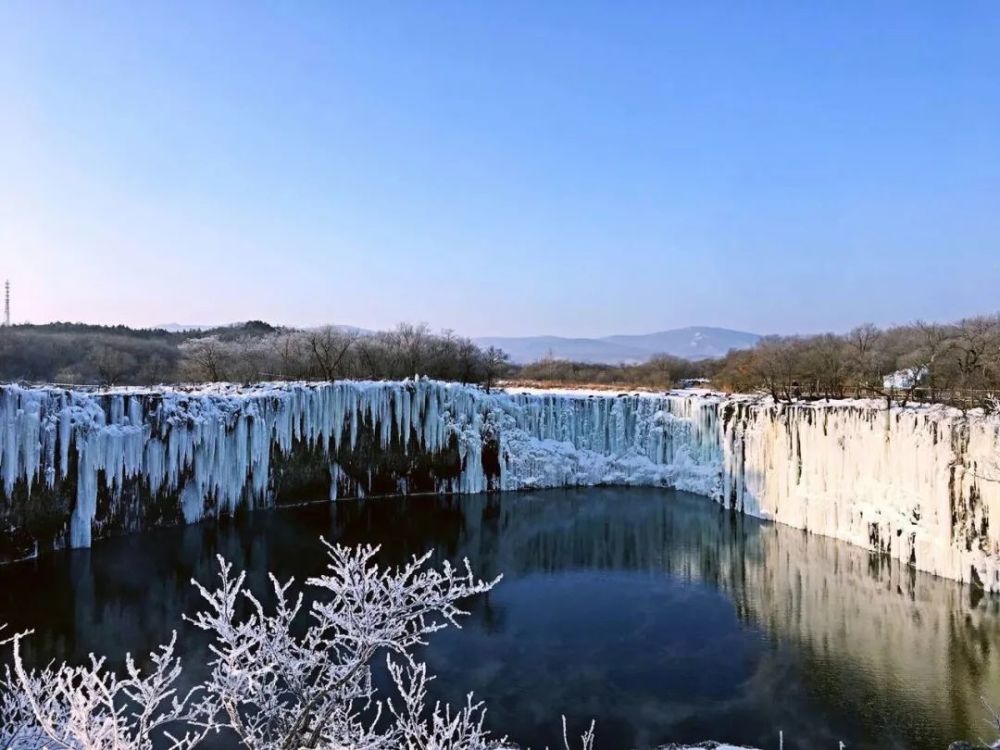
x=659, y=614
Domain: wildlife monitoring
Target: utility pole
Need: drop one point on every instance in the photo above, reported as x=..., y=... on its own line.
x=6, y=303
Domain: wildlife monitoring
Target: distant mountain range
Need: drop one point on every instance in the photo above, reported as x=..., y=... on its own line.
x=694, y=342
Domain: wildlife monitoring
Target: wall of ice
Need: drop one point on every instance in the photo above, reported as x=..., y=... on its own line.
x=920, y=484
x=211, y=449
x=917, y=484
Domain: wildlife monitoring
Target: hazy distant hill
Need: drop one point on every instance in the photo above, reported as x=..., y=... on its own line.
x=184, y=327
x=181, y=327
x=694, y=342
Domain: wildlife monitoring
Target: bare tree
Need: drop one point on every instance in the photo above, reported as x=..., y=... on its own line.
x=329, y=346
x=824, y=361
x=374, y=360
x=469, y=361
x=413, y=342
x=863, y=357
x=664, y=370
x=775, y=362
x=112, y=364
x=205, y=359
x=935, y=342
x=287, y=348
x=975, y=342
x=495, y=364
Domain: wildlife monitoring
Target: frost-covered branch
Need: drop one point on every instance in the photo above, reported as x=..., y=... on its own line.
x=18, y=731
x=277, y=691
x=442, y=729
x=283, y=676
x=586, y=739
x=91, y=708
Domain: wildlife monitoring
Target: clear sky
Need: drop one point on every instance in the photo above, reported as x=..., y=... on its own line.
x=507, y=167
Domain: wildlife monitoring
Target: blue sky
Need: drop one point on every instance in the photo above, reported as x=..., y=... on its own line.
x=501, y=167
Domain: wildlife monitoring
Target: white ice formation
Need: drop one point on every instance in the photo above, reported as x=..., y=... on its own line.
x=919, y=484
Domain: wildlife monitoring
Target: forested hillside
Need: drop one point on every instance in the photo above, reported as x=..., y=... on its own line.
x=79, y=354
x=957, y=363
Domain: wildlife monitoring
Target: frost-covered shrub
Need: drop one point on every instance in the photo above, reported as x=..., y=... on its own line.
x=283, y=677
x=90, y=707
x=276, y=690
x=18, y=729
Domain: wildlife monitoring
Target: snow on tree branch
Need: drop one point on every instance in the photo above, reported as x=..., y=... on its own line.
x=18, y=730
x=283, y=676
x=91, y=708
x=443, y=730
x=277, y=691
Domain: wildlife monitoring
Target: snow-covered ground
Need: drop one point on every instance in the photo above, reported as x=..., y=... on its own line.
x=920, y=483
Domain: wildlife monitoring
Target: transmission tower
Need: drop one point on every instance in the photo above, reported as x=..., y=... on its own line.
x=6, y=303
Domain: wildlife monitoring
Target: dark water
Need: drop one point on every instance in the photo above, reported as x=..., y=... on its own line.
x=654, y=612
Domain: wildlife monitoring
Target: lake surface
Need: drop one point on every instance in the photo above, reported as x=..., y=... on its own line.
x=657, y=613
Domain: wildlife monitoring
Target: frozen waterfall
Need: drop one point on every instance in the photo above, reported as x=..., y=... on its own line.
x=919, y=484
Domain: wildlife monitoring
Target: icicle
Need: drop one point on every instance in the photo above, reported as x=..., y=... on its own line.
x=335, y=474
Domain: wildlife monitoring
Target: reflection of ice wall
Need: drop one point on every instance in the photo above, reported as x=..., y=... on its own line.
x=873, y=625
x=893, y=633
x=912, y=483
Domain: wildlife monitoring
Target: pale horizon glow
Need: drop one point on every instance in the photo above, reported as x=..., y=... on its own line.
x=501, y=169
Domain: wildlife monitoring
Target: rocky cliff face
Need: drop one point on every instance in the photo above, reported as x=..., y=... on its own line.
x=917, y=484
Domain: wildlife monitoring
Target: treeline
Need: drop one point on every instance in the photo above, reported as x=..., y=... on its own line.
x=331, y=353
x=250, y=352
x=85, y=357
x=660, y=372
x=956, y=363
